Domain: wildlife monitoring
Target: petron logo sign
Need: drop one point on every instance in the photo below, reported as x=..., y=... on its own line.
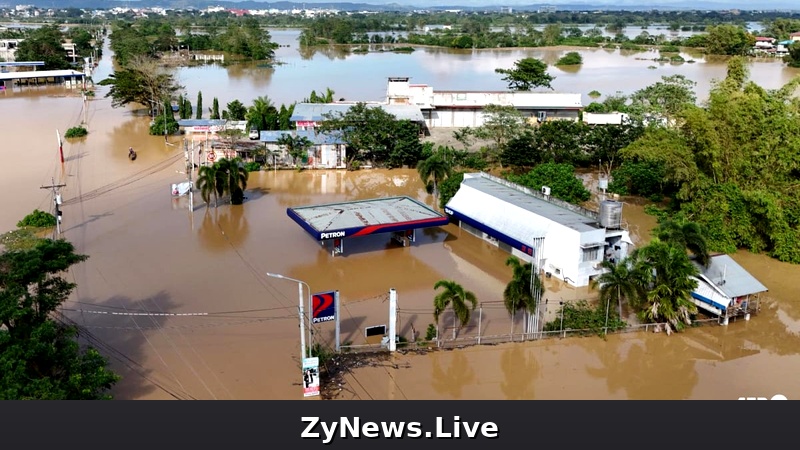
x=324, y=307
x=334, y=234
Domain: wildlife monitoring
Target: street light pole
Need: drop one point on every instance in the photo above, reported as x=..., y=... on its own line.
x=299, y=308
x=562, y=318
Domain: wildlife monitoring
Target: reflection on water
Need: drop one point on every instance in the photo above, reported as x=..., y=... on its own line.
x=450, y=380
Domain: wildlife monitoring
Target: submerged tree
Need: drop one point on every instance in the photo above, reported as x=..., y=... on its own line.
x=528, y=73
x=457, y=298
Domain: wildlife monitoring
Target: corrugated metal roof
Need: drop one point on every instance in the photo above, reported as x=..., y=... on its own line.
x=512, y=211
x=365, y=213
x=314, y=112
x=40, y=74
x=731, y=278
x=272, y=136
x=202, y=122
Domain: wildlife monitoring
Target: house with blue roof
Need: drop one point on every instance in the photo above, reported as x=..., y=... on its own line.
x=328, y=150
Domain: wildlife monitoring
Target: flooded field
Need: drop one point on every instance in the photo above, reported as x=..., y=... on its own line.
x=195, y=316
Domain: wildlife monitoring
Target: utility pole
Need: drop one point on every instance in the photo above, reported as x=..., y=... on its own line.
x=56, y=202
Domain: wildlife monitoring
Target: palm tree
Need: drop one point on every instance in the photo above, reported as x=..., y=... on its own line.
x=616, y=283
x=685, y=234
x=296, y=146
x=670, y=286
x=262, y=115
x=234, y=176
x=455, y=296
x=210, y=182
x=518, y=294
x=434, y=169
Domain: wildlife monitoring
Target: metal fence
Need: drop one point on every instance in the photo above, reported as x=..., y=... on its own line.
x=490, y=324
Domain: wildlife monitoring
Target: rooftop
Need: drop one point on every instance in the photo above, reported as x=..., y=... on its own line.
x=40, y=74
x=552, y=100
x=731, y=278
x=313, y=112
x=563, y=213
x=365, y=217
x=272, y=136
x=202, y=122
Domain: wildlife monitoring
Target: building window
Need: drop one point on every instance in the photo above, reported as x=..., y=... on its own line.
x=591, y=254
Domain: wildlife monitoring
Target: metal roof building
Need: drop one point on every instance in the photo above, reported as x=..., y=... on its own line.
x=272, y=136
x=336, y=221
x=569, y=240
x=314, y=112
x=725, y=287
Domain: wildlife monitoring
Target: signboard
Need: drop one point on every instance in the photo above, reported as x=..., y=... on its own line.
x=310, y=377
x=377, y=330
x=323, y=307
x=305, y=123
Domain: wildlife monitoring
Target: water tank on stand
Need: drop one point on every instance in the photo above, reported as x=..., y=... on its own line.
x=602, y=183
x=611, y=214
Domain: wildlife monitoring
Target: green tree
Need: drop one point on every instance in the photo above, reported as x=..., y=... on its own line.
x=262, y=115
x=432, y=171
x=500, y=125
x=215, y=109
x=296, y=146
x=456, y=297
x=726, y=39
x=326, y=97
x=570, y=59
x=199, y=105
x=211, y=181
x=449, y=187
x=560, y=178
x=528, y=73
x=685, y=234
x=187, y=109
x=519, y=294
x=669, y=284
x=140, y=81
x=44, y=44
x=665, y=98
x=235, y=111
x=793, y=59
x=234, y=176
x=39, y=357
x=618, y=282
x=551, y=35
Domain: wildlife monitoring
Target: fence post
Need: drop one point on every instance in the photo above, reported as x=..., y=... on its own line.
x=480, y=316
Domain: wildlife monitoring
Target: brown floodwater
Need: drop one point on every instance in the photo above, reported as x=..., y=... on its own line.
x=235, y=335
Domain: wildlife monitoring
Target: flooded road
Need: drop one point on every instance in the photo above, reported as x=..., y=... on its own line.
x=194, y=315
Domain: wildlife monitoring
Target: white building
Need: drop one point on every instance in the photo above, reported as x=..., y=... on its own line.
x=458, y=109
x=327, y=152
x=726, y=289
x=571, y=241
x=615, y=118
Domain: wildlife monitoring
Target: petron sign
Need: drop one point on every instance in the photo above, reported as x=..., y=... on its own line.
x=324, y=307
x=332, y=235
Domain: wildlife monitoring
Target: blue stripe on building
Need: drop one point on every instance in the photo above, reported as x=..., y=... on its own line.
x=523, y=247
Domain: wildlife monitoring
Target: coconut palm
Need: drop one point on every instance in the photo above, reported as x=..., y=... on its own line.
x=670, y=284
x=262, y=115
x=434, y=170
x=618, y=282
x=455, y=296
x=210, y=182
x=296, y=146
x=234, y=177
x=685, y=234
x=518, y=294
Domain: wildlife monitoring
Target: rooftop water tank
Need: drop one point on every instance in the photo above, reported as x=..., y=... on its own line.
x=611, y=214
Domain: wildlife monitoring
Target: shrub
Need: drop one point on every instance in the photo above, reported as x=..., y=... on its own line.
x=430, y=333
x=570, y=59
x=76, y=132
x=582, y=316
x=252, y=166
x=38, y=219
x=595, y=94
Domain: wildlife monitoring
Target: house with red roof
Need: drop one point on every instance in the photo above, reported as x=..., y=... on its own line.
x=795, y=36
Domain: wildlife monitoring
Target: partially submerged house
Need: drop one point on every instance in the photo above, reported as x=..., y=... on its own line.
x=725, y=289
x=328, y=150
x=307, y=116
x=565, y=240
